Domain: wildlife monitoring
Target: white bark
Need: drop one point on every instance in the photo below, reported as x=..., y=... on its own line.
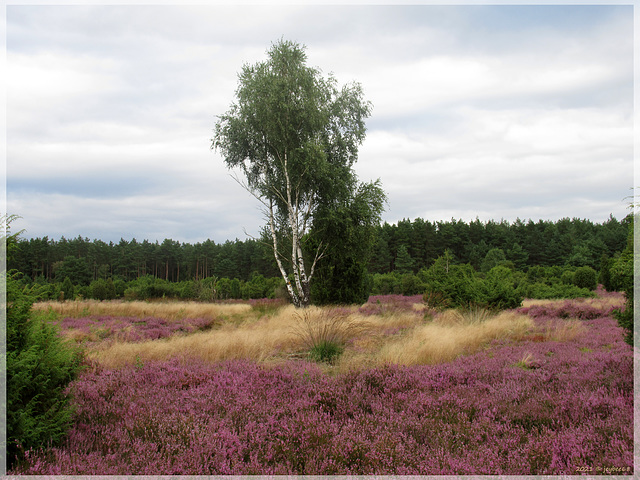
x=276, y=253
x=298, y=217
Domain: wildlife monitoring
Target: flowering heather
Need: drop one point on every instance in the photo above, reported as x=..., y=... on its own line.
x=128, y=329
x=568, y=309
x=388, y=304
x=529, y=408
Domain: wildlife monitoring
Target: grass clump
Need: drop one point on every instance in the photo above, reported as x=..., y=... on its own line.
x=324, y=332
x=325, y=352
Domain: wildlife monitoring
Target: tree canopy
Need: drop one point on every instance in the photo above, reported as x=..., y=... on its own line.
x=295, y=134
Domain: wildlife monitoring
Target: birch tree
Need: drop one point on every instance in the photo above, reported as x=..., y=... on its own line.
x=294, y=134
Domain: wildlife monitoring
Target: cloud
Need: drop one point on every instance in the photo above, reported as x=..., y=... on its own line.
x=478, y=111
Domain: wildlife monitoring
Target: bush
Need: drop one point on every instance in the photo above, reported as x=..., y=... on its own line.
x=40, y=365
x=543, y=291
x=459, y=286
x=622, y=274
x=67, y=289
x=500, y=292
x=585, y=277
x=103, y=289
x=148, y=287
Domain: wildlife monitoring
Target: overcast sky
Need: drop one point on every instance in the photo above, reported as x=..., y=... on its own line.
x=489, y=112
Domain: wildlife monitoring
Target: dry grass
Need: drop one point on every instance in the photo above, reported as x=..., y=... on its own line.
x=286, y=333
x=563, y=331
x=165, y=310
x=316, y=326
x=449, y=336
x=597, y=302
x=253, y=340
x=265, y=339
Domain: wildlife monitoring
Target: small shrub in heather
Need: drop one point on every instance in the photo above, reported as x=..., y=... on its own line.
x=482, y=414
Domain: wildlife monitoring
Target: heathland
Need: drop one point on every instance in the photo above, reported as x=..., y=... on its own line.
x=393, y=386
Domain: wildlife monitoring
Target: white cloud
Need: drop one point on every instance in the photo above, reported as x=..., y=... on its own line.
x=110, y=111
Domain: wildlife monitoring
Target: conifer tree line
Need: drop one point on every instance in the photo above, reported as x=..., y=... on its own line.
x=405, y=247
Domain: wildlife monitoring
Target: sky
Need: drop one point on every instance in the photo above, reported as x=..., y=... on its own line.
x=488, y=112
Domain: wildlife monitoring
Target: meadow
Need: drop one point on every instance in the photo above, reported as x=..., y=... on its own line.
x=254, y=388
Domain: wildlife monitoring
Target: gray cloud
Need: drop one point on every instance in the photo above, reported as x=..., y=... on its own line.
x=489, y=112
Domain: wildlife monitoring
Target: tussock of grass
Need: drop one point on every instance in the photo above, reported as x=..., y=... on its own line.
x=165, y=310
x=317, y=326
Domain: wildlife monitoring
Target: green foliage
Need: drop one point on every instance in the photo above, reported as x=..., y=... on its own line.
x=518, y=256
x=526, y=244
x=325, y=351
x=552, y=282
x=347, y=229
x=295, y=136
x=404, y=263
x=604, y=275
x=623, y=272
x=458, y=284
x=494, y=257
x=545, y=291
x=40, y=365
x=76, y=269
x=500, y=289
x=67, y=289
x=397, y=284
x=585, y=277
x=580, y=256
x=148, y=287
x=103, y=289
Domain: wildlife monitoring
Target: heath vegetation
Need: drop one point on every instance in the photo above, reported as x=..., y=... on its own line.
x=544, y=389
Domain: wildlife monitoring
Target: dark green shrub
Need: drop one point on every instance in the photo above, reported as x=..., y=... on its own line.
x=111, y=289
x=221, y=290
x=604, y=275
x=98, y=289
x=187, y=290
x=148, y=287
x=40, y=366
x=567, y=277
x=500, y=292
x=344, y=282
x=67, y=289
x=120, y=286
x=622, y=274
x=585, y=277
x=385, y=284
x=543, y=291
x=459, y=285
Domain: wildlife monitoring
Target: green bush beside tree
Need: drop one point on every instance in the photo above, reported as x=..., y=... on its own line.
x=39, y=367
